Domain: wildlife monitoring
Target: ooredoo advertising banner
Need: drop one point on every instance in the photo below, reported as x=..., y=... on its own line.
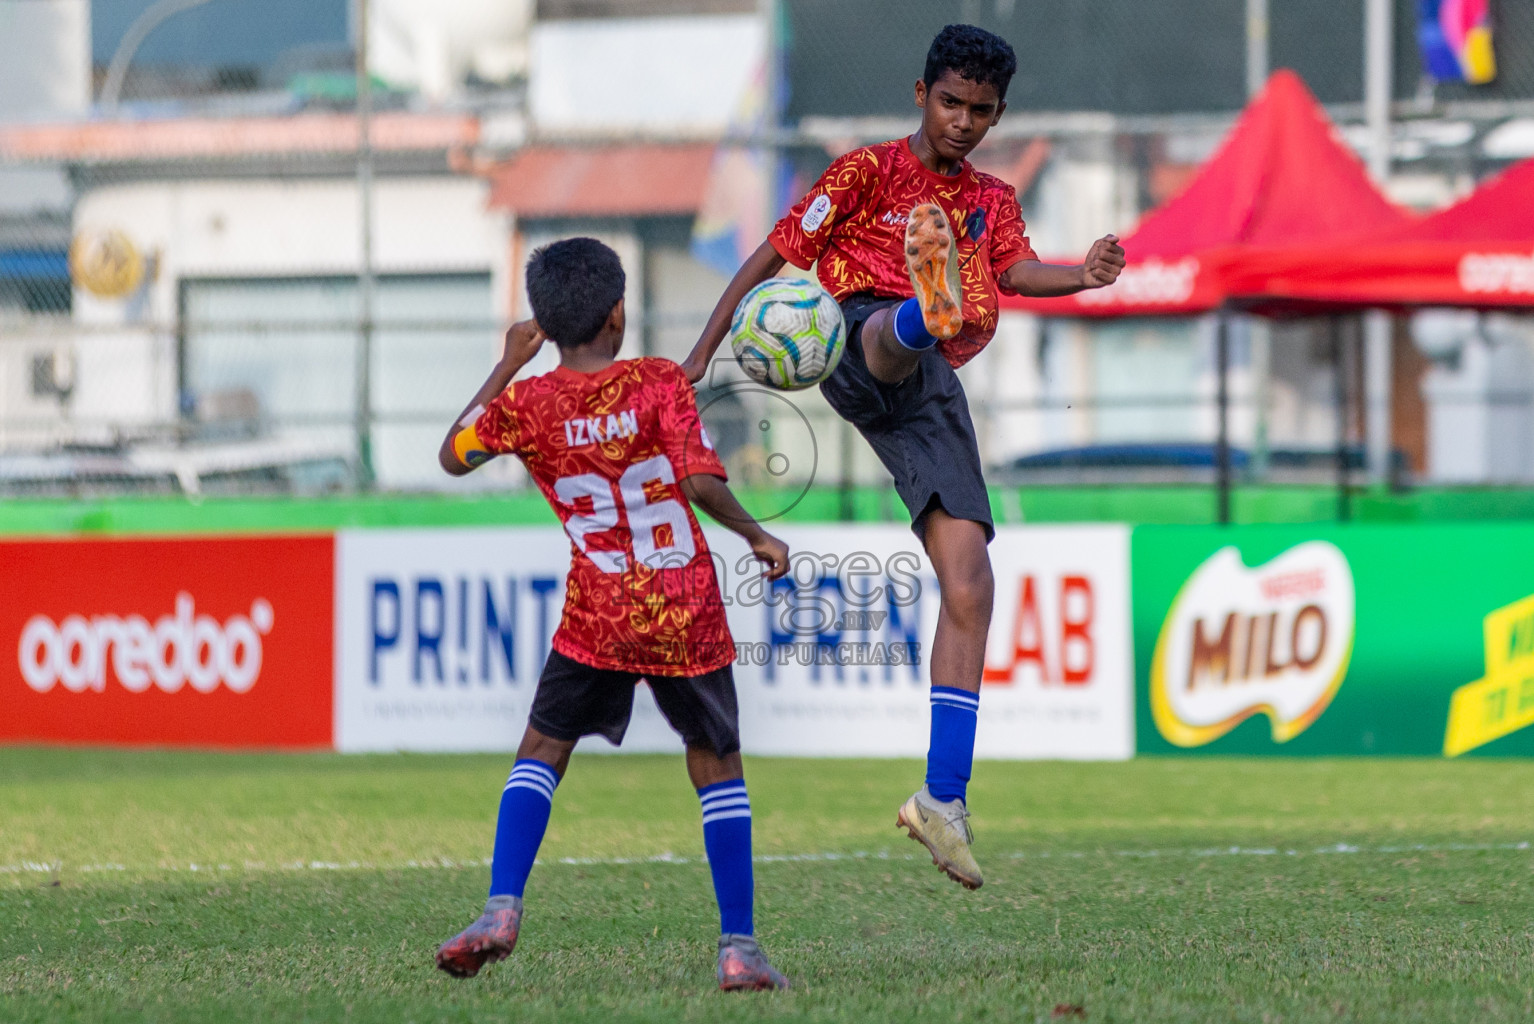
x=1364, y=639
x=442, y=633
x=217, y=642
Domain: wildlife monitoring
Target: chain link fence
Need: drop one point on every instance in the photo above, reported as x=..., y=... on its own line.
x=861, y=57
x=183, y=306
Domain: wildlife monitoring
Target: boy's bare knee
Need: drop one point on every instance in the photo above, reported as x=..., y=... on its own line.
x=705, y=768
x=963, y=563
x=886, y=359
x=537, y=746
x=968, y=600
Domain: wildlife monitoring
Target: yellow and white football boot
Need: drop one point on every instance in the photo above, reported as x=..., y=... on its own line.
x=943, y=828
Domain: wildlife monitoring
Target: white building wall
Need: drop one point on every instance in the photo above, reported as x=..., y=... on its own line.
x=680, y=75
x=432, y=45
x=127, y=369
x=45, y=58
x=1480, y=425
x=1080, y=201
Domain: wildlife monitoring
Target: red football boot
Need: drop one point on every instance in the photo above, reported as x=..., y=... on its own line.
x=743, y=967
x=486, y=941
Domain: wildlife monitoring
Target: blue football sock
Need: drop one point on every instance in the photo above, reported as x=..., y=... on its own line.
x=951, y=752
x=911, y=327
x=525, y=806
x=727, y=841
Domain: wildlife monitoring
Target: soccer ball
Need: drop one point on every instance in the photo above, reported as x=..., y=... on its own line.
x=788, y=333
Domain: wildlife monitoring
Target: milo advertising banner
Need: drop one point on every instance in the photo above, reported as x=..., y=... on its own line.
x=1366, y=639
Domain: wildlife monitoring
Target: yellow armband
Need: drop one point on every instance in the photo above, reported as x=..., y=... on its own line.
x=469, y=449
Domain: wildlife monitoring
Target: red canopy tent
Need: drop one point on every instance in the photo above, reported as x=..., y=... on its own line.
x=1282, y=177
x=1478, y=253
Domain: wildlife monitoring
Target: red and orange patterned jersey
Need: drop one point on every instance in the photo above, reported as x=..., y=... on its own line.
x=853, y=222
x=609, y=451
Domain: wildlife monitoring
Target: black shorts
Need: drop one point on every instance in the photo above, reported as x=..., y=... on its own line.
x=575, y=700
x=919, y=428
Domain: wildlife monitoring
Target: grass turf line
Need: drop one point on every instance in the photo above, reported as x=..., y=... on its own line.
x=1434, y=935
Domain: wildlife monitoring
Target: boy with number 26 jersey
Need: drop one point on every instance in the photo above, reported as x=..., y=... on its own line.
x=609, y=451
x=617, y=448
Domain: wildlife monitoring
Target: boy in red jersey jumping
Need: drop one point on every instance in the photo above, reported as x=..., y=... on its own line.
x=916, y=245
x=618, y=450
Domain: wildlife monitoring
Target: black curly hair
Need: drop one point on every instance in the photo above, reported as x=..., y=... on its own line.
x=573, y=286
x=974, y=54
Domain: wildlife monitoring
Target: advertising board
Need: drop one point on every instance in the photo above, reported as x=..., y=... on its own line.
x=208, y=642
x=1334, y=639
x=1385, y=639
x=441, y=634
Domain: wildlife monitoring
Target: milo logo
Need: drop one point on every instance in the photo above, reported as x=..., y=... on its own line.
x=1275, y=639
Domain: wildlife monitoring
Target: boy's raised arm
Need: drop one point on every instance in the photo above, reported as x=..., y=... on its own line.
x=1036, y=280
x=764, y=263
x=713, y=496
x=523, y=339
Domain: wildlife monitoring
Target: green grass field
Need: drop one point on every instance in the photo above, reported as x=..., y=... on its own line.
x=1157, y=890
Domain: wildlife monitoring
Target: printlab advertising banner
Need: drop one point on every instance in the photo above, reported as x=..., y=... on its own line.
x=1363, y=639
x=441, y=635
x=217, y=642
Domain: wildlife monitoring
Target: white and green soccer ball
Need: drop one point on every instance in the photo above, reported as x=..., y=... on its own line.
x=788, y=333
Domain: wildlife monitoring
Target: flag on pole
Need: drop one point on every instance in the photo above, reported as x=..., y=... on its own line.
x=1456, y=41
x=735, y=216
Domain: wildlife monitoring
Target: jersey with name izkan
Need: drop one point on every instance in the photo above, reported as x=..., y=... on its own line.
x=609, y=451
x=853, y=223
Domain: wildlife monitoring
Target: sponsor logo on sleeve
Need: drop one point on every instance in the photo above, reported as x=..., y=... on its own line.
x=816, y=215
x=1275, y=639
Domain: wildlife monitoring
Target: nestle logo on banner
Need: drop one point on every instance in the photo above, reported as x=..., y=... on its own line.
x=180, y=649
x=1154, y=282
x=1274, y=639
x=1497, y=273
